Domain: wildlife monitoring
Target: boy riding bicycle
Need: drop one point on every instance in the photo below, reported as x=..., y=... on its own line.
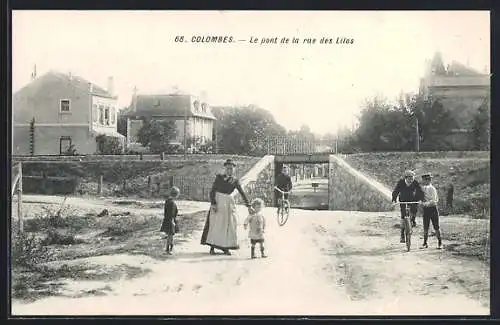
x=408, y=190
x=284, y=183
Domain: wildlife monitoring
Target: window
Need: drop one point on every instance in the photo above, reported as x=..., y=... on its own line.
x=95, y=113
x=101, y=114
x=196, y=105
x=64, y=145
x=204, y=107
x=106, y=115
x=112, y=115
x=64, y=105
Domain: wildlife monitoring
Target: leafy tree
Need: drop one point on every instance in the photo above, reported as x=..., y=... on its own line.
x=435, y=123
x=383, y=127
x=107, y=145
x=157, y=135
x=244, y=130
x=481, y=127
x=380, y=127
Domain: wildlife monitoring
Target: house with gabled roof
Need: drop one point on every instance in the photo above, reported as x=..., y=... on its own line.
x=57, y=113
x=460, y=89
x=174, y=107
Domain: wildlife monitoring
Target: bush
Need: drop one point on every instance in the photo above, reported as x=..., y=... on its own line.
x=50, y=185
x=55, y=237
x=28, y=251
x=107, y=145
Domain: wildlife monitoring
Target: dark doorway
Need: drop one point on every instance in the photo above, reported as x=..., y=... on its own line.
x=310, y=184
x=64, y=145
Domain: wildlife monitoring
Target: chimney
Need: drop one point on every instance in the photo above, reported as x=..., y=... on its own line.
x=134, y=98
x=110, y=85
x=33, y=74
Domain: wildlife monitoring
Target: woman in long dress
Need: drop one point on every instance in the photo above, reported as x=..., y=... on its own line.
x=221, y=224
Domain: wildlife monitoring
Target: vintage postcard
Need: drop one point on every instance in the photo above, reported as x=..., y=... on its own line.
x=299, y=163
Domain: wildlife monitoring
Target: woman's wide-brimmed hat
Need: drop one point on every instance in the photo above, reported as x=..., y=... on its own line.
x=229, y=162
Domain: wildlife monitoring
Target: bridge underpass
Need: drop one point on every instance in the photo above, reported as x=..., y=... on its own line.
x=309, y=173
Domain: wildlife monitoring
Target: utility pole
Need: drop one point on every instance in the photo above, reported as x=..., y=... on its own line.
x=185, y=132
x=20, y=200
x=417, y=136
x=214, y=130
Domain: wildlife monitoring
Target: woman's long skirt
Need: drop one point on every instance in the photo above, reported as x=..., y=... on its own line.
x=221, y=226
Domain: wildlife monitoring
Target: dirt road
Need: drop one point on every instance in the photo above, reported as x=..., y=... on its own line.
x=320, y=263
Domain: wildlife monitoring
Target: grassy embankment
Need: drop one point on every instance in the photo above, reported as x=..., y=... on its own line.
x=465, y=226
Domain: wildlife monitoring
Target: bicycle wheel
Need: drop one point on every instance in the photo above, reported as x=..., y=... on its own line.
x=286, y=213
x=278, y=215
x=408, y=234
x=282, y=216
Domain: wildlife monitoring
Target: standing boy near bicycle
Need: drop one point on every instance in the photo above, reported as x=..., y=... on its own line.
x=284, y=183
x=408, y=190
x=431, y=213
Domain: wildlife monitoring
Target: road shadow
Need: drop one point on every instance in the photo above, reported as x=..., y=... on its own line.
x=205, y=257
x=384, y=251
x=189, y=255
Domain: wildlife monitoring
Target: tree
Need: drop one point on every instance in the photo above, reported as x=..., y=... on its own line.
x=382, y=127
x=244, y=130
x=481, y=127
x=107, y=145
x=435, y=122
x=157, y=135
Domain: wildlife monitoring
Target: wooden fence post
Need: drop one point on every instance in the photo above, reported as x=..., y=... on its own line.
x=20, y=200
x=171, y=181
x=99, y=185
x=163, y=156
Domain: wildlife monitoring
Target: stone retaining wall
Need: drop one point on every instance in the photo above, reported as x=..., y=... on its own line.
x=351, y=190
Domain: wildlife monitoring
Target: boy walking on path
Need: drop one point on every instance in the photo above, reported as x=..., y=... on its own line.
x=431, y=213
x=257, y=224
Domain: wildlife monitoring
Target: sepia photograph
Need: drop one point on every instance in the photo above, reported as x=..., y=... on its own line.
x=242, y=163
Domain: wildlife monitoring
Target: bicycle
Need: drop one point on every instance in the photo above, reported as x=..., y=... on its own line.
x=406, y=223
x=283, y=208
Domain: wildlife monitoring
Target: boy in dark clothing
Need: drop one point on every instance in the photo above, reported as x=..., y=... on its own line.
x=169, y=225
x=408, y=190
x=284, y=183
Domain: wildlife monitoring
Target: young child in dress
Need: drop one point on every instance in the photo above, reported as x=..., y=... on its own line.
x=169, y=225
x=257, y=224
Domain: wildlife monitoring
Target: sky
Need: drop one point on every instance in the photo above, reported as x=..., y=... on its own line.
x=320, y=85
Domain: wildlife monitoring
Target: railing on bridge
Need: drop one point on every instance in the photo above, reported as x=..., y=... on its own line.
x=289, y=145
